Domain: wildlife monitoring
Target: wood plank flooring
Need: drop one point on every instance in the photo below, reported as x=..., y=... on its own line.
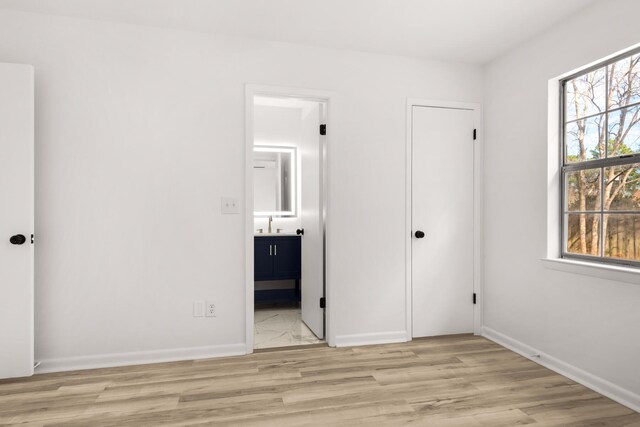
x=446, y=381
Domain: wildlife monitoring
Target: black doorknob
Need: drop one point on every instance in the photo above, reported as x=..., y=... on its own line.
x=419, y=234
x=300, y=231
x=18, y=239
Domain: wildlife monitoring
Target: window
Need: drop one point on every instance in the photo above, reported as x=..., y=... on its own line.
x=601, y=162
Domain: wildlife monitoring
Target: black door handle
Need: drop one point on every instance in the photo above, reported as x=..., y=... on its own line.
x=419, y=234
x=18, y=239
x=300, y=231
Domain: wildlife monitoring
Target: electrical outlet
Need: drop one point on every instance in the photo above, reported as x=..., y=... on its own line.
x=198, y=309
x=210, y=309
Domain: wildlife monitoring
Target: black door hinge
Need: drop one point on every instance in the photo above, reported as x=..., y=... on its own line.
x=323, y=129
x=474, y=297
x=475, y=135
x=32, y=239
x=323, y=302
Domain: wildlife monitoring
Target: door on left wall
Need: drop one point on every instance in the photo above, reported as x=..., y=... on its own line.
x=16, y=220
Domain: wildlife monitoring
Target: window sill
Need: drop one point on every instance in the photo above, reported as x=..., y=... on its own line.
x=602, y=271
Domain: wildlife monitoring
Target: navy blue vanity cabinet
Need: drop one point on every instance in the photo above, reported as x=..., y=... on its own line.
x=263, y=259
x=287, y=258
x=278, y=258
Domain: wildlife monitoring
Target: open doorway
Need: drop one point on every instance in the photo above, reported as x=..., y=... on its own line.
x=287, y=165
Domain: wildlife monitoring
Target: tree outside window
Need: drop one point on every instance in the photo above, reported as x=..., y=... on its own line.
x=601, y=164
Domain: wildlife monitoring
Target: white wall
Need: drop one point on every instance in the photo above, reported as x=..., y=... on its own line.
x=589, y=323
x=140, y=131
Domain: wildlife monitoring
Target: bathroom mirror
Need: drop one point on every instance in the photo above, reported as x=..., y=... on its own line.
x=274, y=181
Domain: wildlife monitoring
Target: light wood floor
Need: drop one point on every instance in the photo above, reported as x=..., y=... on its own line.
x=447, y=381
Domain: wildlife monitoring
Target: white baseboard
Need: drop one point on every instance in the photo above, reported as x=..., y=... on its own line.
x=595, y=383
x=138, y=358
x=368, y=339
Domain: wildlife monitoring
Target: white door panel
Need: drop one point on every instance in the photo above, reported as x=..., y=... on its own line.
x=442, y=207
x=312, y=285
x=16, y=218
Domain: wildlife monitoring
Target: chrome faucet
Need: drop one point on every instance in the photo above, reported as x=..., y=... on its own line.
x=270, y=221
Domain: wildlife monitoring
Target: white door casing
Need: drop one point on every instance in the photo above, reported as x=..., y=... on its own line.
x=312, y=284
x=442, y=206
x=16, y=218
x=324, y=97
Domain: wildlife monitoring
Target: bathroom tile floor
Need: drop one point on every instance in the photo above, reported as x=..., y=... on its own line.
x=281, y=327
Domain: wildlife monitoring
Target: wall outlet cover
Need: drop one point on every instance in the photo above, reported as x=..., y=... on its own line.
x=210, y=309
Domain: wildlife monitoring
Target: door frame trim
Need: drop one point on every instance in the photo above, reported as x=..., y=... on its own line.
x=478, y=152
x=251, y=90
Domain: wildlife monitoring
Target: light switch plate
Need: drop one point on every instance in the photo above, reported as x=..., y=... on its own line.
x=198, y=309
x=230, y=205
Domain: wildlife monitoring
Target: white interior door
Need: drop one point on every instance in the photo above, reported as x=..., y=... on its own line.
x=442, y=209
x=16, y=220
x=312, y=285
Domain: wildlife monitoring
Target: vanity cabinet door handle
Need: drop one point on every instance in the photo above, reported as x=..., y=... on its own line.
x=270, y=246
x=275, y=250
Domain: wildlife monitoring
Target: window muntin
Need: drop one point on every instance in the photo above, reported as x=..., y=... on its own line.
x=601, y=163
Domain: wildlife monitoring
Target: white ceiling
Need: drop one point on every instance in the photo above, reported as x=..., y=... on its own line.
x=474, y=31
